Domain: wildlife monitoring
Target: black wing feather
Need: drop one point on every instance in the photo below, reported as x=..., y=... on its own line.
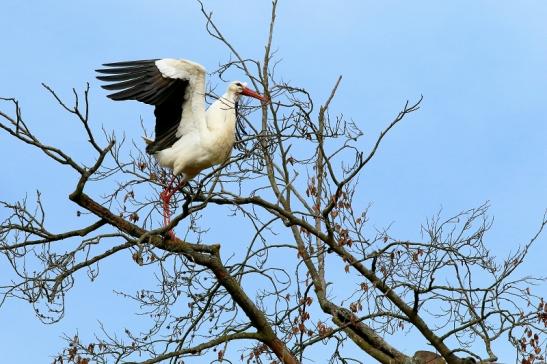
x=142, y=62
x=122, y=76
x=123, y=84
x=143, y=81
x=121, y=70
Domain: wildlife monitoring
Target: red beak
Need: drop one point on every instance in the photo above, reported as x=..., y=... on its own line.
x=248, y=92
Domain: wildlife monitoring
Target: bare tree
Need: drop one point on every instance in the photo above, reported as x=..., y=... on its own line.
x=292, y=182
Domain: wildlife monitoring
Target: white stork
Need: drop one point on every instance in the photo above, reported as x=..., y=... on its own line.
x=188, y=138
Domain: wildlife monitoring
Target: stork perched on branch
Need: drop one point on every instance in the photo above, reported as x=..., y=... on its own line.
x=188, y=138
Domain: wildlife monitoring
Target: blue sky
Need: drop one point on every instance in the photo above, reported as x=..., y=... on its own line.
x=481, y=133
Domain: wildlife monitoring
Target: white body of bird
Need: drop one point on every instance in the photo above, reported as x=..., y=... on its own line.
x=209, y=144
x=188, y=138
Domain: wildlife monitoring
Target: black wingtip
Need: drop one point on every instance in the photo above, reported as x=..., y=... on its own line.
x=126, y=67
x=102, y=78
x=143, y=62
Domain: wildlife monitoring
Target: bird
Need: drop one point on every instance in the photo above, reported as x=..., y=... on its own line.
x=188, y=137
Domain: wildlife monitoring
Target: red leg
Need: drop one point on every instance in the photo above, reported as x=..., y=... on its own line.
x=165, y=196
x=179, y=186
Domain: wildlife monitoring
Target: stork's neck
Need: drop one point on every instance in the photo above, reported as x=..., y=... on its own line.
x=229, y=99
x=222, y=113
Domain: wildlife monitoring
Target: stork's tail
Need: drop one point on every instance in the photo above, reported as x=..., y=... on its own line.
x=166, y=141
x=150, y=145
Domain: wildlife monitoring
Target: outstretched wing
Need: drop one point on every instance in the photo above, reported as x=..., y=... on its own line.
x=166, y=83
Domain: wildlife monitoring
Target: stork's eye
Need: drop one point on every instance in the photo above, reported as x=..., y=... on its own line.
x=239, y=84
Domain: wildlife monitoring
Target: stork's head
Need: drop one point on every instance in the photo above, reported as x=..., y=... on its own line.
x=240, y=88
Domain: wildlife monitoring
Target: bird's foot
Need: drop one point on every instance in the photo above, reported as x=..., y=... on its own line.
x=167, y=221
x=172, y=235
x=166, y=217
